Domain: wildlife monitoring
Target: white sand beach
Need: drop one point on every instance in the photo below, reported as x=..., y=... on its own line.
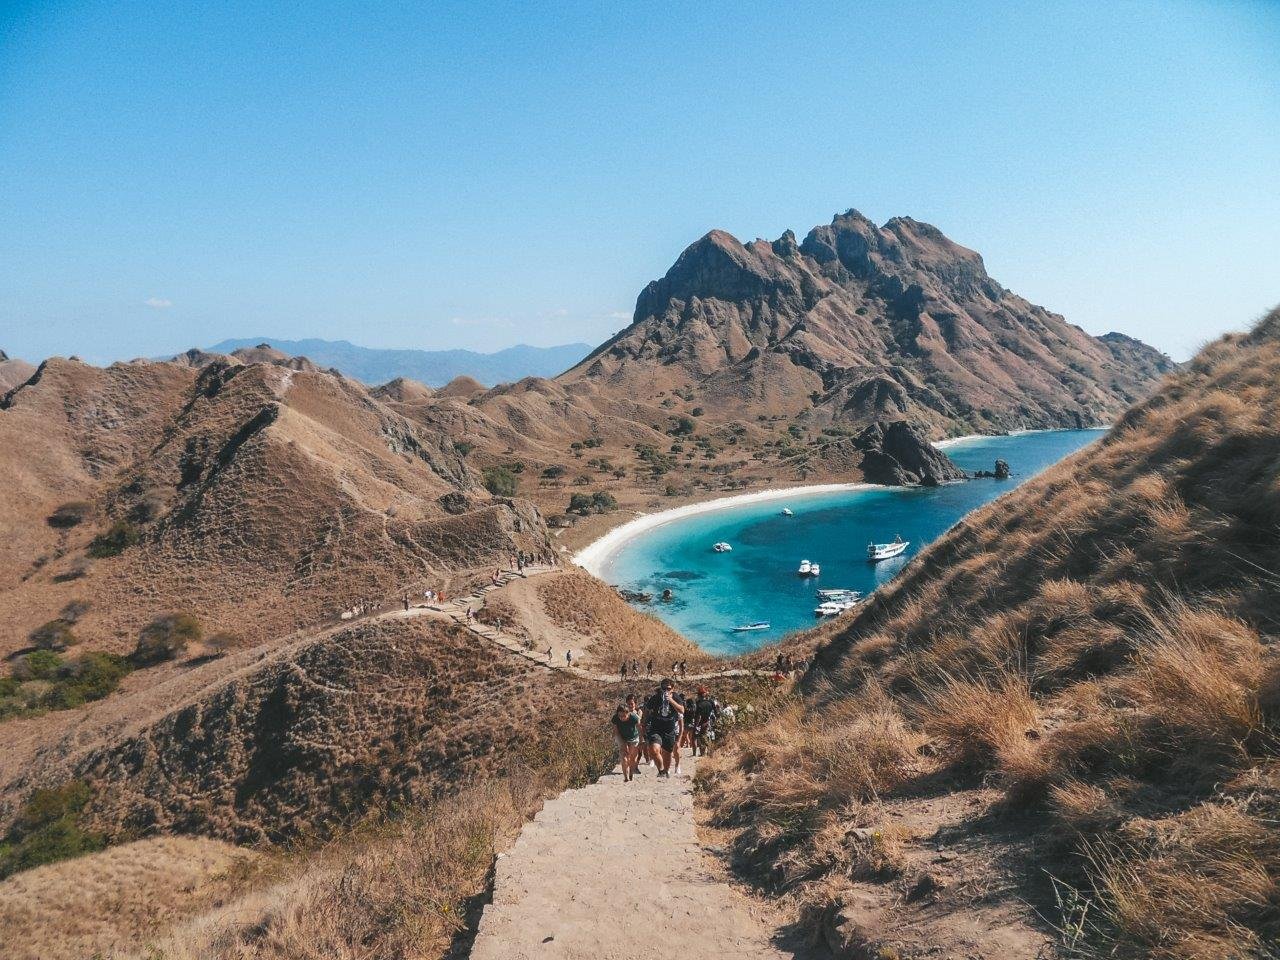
x=596, y=554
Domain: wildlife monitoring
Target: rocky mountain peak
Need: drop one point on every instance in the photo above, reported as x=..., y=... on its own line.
x=858, y=321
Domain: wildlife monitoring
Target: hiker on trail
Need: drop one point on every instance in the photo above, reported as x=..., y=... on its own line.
x=626, y=728
x=568, y=658
x=646, y=753
x=548, y=654
x=706, y=711
x=684, y=668
x=406, y=603
x=661, y=720
x=649, y=672
x=471, y=615
x=622, y=671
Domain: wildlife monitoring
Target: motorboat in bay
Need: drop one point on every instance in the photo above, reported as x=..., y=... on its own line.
x=758, y=625
x=808, y=569
x=832, y=608
x=786, y=512
x=838, y=594
x=886, y=551
x=722, y=547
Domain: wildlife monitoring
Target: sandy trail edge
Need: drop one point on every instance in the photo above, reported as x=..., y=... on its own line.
x=614, y=870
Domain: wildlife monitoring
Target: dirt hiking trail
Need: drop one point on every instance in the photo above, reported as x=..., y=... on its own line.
x=613, y=870
x=557, y=639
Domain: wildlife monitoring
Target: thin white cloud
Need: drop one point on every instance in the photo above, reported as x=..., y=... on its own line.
x=157, y=303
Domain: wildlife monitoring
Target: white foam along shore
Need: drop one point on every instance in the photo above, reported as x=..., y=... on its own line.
x=596, y=554
x=952, y=441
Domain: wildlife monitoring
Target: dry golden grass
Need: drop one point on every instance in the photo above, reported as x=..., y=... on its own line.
x=1102, y=644
x=1194, y=891
x=980, y=719
x=397, y=885
x=114, y=898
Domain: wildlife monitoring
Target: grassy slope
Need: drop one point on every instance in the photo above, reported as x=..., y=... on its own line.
x=1099, y=648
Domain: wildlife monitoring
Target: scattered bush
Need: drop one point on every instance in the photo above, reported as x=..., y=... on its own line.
x=116, y=540
x=598, y=502
x=54, y=635
x=47, y=829
x=78, y=568
x=500, y=481
x=89, y=677
x=148, y=508
x=553, y=472
x=222, y=643
x=37, y=665
x=75, y=609
x=463, y=447
x=166, y=638
x=71, y=514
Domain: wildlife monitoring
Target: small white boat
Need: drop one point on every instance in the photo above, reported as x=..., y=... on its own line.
x=832, y=608
x=886, y=551
x=786, y=512
x=815, y=570
x=808, y=569
x=758, y=625
x=722, y=547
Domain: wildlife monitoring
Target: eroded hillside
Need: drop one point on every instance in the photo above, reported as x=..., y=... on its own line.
x=260, y=497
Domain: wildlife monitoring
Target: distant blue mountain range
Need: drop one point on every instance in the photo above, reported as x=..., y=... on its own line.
x=435, y=368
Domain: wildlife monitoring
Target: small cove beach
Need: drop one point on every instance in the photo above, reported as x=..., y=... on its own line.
x=831, y=525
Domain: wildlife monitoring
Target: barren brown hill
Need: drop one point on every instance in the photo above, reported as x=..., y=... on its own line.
x=258, y=497
x=765, y=363
x=861, y=323
x=13, y=372
x=1060, y=722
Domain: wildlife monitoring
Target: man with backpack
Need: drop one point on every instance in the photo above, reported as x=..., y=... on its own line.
x=662, y=714
x=706, y=711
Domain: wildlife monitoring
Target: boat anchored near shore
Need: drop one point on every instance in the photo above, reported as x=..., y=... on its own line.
x=758, y=625
x=886, y=551
x=808, y=569
x=722, y=547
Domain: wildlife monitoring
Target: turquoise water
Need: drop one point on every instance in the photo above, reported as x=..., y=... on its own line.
x=758, y=581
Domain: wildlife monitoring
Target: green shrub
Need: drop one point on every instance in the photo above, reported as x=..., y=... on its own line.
x=89, y=677
x=500, y=481
x=116, y=540
x=463, y=447
x=166, y=637
x=603, y=501
x=54, y=635
x=71, y=514
x=47, y=829
x=697, y=411
x=37, y=665
x=553, y=472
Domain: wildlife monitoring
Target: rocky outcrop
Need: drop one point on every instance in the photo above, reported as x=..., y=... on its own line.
x=895, y=454
x=1001, y=471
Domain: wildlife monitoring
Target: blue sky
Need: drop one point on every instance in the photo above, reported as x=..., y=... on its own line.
x=437, y=175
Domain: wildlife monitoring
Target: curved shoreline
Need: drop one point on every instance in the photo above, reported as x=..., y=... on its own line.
x=597, y=553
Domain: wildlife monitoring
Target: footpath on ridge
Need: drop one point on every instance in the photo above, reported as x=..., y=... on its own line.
x=456, y=611
x=613, y=870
